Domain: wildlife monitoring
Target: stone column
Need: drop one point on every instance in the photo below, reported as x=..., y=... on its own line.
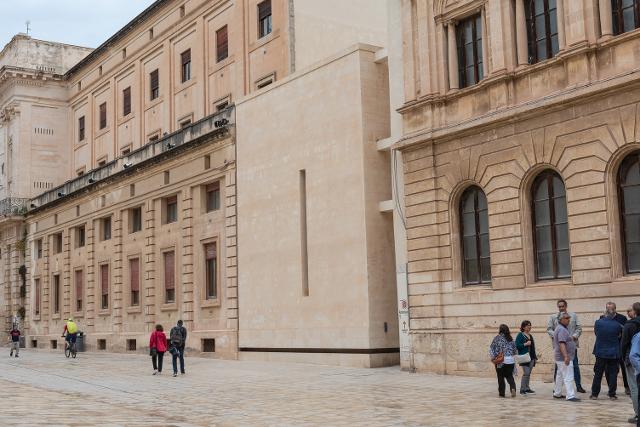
x=606, y=18
x=521, y=34
x=452, y=57
x=561, y=31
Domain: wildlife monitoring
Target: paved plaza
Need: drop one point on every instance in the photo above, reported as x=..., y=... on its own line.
x=44, y=388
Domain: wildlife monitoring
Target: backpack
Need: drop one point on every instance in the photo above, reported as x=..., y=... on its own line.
x=72, y=328
x=175, y=337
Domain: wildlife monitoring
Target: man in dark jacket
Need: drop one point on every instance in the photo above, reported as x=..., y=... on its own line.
x=620, y=318
x=177, y=340
x=631, y=328
x=607, y=352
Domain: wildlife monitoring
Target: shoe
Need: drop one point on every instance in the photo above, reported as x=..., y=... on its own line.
x=182, y=373
x=11, y=354
x=175, y=374
x=155, y=372
x=513, y=393
x=559, y=397
x=613, y=397
x=530, y=391
x=16, y=355
x=522, y=392
x=501, y=396
x=632, y=420
x=592, y=397
x=573, y=399
x=580, y=389
x=627, y=391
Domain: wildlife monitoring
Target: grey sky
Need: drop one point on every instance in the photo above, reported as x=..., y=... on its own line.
x=80, y=22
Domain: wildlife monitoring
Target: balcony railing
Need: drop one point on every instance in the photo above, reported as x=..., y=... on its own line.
x=13, y=206
x=216, y=122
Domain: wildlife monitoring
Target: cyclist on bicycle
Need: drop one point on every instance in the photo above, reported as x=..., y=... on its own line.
x=72, y=332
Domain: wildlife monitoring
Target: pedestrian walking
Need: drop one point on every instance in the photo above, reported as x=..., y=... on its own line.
x=502, y=351
x=631, y=328
x=622, y=320
x=157, y=348
x=575, y=330
x=564, y=349
x=14, y=336
x=607, y=351
x=526, y=357
x=178, y=339
x=634, y=359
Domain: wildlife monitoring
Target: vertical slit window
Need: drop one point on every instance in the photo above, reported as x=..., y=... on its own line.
x=154, y=84
x=474, y=231
x=104, y=286
x=126, y=101
x=79, y=289
x=542, y=29
x=469, y=43
x=264, y=19
x=211, y=270
x=81, y=129
x=551, y=229
x=185, y=59
x=222, y=44
x=56, y=294
x=134, y=280
x=38, y=292
x=103, y=115
x=169, y=277
x=629, y=207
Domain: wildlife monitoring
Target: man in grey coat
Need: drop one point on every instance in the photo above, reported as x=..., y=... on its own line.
x=575, y=329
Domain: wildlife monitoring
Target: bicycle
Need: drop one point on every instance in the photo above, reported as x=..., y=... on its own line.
x=70, y=349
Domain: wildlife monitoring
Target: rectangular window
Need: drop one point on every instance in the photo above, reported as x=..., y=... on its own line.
x=106, y=228
x=213, y=196
x=264, y=18
x=79, y=289
x=542, y=29
x=80, y=236
x=304, y=253
x=171, y=209
x=39, y=248
x=56, y=293
x=135, y=220
x=57, y=243
x=222, y=44
x=211, y=270
x=154, y=84
x=126, y=101
x=81, y=129
x=223, y=105
x=185, y=123
x=185, y=60
x=469, y=43
x=169, y=277
x=38, y=291
x=134, y=280
x=104, y=286
x=626, y=15
x=103, y=115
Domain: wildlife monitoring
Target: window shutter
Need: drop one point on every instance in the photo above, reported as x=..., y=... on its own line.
x=186, y=57
x=103, y=115
x=210, y=251
x=126, y=101
x=37, y=296
x=213, y=187
x=81, y=128
x=169, y=270
x=222, y=43
x=134, y=271
x=104, y=279
x=79, y=284
x=264, y=9
x=155, y=84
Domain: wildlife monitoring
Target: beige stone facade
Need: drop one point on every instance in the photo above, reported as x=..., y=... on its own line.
x=124, y=233
x=575, y=114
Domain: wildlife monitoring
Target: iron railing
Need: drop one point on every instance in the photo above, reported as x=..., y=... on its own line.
x=14, y=206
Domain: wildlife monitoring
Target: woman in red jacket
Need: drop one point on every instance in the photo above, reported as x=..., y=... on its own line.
x=157, y=347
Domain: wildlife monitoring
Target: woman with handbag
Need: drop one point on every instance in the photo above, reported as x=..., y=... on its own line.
x=502, y=351
x=157, y=348
x=526, y=356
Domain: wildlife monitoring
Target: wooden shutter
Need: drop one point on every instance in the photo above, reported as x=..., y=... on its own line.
x=169, y=270
x=79, y=284
x=134, y=272
x=186, y=57
x=222, y=43
x=103, y=115
x=155, y=84
x=38, y=296
x=81, y=128
x=126, y=101
x=264, y=9
x=104, y=279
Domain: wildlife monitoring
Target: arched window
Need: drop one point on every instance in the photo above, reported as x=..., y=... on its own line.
x=629, y=199
x=551, y=230
x=474, y=229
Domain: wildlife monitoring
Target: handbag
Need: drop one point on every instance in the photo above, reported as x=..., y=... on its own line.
x=522, y=358
x=153, y=351
x=498, y=359
x=174, y=351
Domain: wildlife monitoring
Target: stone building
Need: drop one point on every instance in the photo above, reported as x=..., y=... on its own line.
x=171, y=202
x=520, y=152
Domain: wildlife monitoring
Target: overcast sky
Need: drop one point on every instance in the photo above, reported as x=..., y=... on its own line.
x=79, y=22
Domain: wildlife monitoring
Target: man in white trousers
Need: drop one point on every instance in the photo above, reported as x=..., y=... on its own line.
x=564, y=348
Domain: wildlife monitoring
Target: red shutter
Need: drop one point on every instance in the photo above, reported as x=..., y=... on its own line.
x=104, y=278
x=210, y=251
x=79, y=284
x=169, y=270
x=37, y=296
x=222, y=43
x=126, y=101
x=264, y=9
x=134, y=271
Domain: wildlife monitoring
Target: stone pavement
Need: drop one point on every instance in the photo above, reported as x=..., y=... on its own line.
x=44, y=388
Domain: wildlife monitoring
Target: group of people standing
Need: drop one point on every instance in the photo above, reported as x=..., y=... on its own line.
x=159, y=345
x=617, y=347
